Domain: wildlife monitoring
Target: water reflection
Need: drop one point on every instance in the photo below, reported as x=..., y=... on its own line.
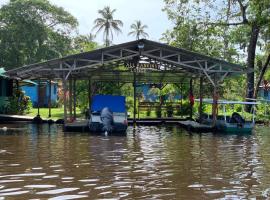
x=40, y=161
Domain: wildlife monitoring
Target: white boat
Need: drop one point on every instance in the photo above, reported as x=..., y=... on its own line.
x=236, y=123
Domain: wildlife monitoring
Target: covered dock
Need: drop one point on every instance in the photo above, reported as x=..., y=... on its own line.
x=140, y=61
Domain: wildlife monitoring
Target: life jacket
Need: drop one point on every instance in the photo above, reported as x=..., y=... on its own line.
x=191, y=99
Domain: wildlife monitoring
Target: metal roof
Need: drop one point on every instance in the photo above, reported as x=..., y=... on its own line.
x=151, y=61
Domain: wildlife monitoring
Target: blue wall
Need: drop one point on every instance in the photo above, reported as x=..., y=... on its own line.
x=151, y=97
x=265, y=94
x=32, y=92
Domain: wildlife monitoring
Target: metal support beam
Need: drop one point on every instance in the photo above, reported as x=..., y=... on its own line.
x=65, y=98
x=134, y=99
x=215, y=101
x=74, y=99
x=70, y=98
x=38, y=103
x=201, y=97
x=191, y=96
x=50, y=98
x=181, y=102
x=89, y=95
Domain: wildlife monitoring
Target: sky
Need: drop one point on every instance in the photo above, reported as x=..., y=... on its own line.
x=148, y=11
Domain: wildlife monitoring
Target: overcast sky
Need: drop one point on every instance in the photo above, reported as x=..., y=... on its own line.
x=148, y=11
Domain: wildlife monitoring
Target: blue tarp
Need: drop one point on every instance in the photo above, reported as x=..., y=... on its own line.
x=114, y=103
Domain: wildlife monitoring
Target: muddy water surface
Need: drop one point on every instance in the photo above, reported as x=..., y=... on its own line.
x=43, y=162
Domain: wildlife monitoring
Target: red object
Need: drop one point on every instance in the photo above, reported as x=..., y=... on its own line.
x=191, y=99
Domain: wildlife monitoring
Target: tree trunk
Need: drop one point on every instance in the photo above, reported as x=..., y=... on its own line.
x=250, y=61
x=261, y=77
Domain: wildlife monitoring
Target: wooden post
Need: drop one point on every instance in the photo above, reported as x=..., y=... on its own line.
x=201, y=98
x=191, y=96
x=89, y=95
x=65, y=98
x=181, y=102
x=38, y=96
x=17, y=85
x=134, y=99
x=215, y=101
x=70, y=98
x=50, y=97
x=74, y=99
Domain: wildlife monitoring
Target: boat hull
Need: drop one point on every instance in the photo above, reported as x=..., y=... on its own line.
x=226, y=127
x=97, y=127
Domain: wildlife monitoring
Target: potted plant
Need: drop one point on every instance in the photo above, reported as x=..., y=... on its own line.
x=158, y=111
x=169, y=110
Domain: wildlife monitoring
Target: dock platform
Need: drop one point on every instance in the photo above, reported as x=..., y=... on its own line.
x=9, y=118
x=195, y=126
x=82, y=125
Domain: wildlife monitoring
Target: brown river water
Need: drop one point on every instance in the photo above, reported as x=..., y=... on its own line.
x=164, y=162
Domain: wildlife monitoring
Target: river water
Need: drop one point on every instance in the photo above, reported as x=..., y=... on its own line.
x=43, y=162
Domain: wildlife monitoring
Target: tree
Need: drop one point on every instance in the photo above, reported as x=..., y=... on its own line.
x=108, y=24
x=138, y=30
x=247, y=20
x=82, y=43
x=32, y=31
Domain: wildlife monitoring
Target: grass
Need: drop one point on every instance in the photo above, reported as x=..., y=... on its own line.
x=56, y=113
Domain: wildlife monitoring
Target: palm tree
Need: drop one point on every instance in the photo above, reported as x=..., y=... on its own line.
x=108, y=24
x=138, y=30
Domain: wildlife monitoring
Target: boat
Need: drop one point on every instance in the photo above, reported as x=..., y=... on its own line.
x=236, y=123
x=108, y=114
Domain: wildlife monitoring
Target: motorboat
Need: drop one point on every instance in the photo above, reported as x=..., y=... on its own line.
x=108, y=114
x=234, y=123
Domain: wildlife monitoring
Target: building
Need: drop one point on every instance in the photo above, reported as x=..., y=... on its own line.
x=264, y=90
x=6, y=90
x=43, y=95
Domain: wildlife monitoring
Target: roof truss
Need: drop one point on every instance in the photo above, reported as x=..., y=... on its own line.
x=152, y=61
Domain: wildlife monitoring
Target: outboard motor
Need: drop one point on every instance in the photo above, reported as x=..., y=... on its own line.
x=106, y=117
x=237, y=118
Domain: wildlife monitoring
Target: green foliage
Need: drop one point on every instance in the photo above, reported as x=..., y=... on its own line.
x=222, y=29
x=138, y=30
x=108, y=24
x=33, y=31
x=19, y=103
x=83, y=43
x=158, y=111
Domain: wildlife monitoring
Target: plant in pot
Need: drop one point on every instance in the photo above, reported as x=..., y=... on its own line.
x=148, y=112
x=169, y=110
x=158, y=111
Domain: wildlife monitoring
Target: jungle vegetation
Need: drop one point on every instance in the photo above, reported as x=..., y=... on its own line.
x=234, y=30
